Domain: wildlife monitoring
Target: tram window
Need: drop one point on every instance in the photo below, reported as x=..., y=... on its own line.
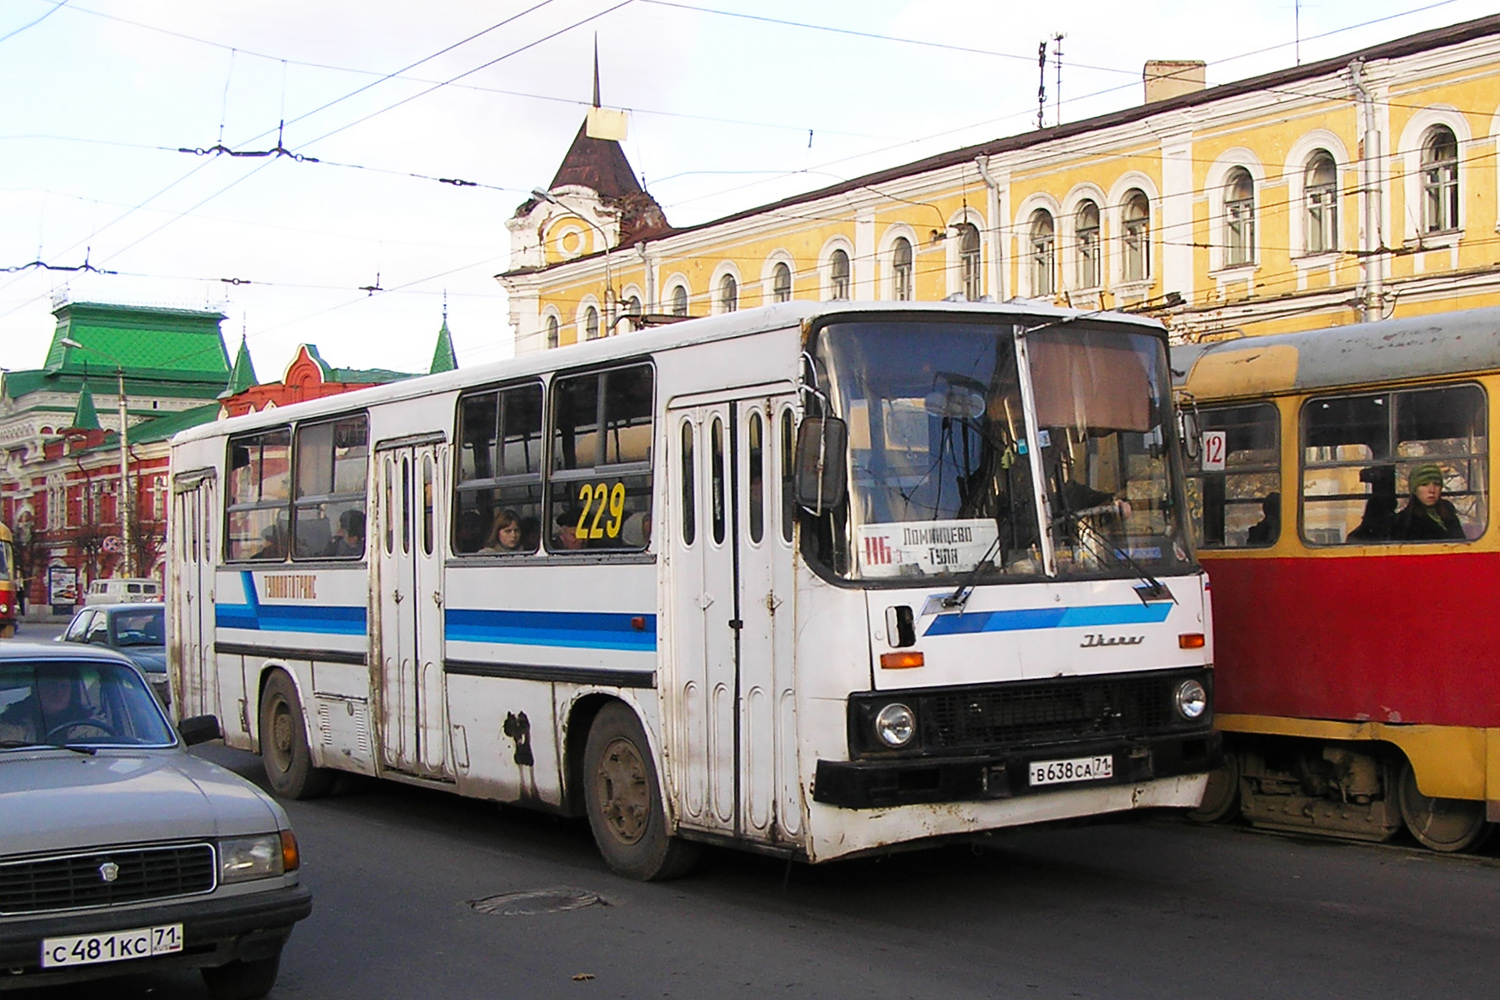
x=328, y=511
x=689, y=487
x=499, y=492
x=1240, y=506
x=600, y=489
x=258, y=485
x=756, y=500
x=1359, y=455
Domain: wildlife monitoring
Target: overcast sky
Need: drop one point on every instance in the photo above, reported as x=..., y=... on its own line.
x=733, y=103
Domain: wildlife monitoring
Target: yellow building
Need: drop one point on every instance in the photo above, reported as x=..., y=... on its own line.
x=1356, y=188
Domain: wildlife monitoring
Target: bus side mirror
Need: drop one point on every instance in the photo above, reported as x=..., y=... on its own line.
x=821, y=475
x=1190, y=433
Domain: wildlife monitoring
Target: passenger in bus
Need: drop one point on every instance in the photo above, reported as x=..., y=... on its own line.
x=349, y=537
x=1266, y=530
x=531, y=534
x=505, y=532
x=566, y=535
x=469, y=535
x=273, y=543
x=636, y=531
x=1427, y=517
x=1380, y=508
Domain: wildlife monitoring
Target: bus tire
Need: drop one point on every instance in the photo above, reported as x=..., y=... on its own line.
x=1221, y=799
x=283, y=743
x=1445, y=825
x=622, y=796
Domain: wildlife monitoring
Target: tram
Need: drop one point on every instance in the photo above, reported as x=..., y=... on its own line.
x=10, y=596
x=1341, y=501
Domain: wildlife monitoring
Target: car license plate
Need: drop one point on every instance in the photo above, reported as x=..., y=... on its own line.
x=1056, y=772
x=118, y=946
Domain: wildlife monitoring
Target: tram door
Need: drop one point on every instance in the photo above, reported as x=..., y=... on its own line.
x=730, y=582
x=194, y=499
x=410, y=524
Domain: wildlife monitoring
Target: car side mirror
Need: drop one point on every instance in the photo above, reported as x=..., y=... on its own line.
x=821, y=476
x=200, y=729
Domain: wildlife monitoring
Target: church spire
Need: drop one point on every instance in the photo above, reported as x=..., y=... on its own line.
x=443, y=357
x=596, y=70
x=242, y=377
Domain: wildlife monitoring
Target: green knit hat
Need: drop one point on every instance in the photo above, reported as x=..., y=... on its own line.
x=1422, y=475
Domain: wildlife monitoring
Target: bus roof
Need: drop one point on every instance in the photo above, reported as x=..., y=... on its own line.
x=727, y=326
x=1452, y=343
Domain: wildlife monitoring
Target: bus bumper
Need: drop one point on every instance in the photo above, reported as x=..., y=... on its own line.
x=878, y=784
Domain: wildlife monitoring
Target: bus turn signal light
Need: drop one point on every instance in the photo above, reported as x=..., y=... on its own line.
x=1190, y=640
x=903, y=660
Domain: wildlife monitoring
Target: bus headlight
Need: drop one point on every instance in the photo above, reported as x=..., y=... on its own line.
x=1191, y=699
x=895, y=725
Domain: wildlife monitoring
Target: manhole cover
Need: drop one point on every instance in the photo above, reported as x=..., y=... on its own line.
x=522, y=904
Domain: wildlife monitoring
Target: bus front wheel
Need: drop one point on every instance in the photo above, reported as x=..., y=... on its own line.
x=623, y=798
x=283, y=743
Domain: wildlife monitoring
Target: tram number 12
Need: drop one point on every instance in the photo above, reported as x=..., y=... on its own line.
x=599, y=499
x=1215, y=446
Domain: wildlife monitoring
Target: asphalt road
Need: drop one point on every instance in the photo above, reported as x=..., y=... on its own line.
x=1153, y=909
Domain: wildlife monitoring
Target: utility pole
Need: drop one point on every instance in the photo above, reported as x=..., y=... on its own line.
x=1057, y=91
x=1041, y=84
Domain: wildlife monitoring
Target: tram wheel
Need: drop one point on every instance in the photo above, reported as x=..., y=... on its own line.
x=623, y=798
x=1221, y=799
x=1440, y=824
x=283, y=743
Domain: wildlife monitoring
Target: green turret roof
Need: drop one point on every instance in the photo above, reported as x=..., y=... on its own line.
x=443, y=358
x=161, y=345
x=243, y=375
x=85, y=417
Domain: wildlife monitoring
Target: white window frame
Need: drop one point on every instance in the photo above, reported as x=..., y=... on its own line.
x=716, y=304
x=825, y=269
x=1217, y=184
x=1411, y=150
x=1299, y=157
x=1117, y=256
x=956, y=283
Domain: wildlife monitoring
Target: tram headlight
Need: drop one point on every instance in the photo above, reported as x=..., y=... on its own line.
x=1190, y=699
x=895, y=725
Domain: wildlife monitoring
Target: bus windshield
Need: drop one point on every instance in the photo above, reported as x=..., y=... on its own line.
x=940, y=470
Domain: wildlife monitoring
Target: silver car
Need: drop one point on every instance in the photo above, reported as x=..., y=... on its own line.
x=119, y=850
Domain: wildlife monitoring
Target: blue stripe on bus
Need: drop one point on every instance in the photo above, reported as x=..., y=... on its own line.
x=317, y=619
x=1028, y=619
x=568, y=629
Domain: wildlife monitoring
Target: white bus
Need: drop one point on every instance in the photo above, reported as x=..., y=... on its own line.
x=816, y=579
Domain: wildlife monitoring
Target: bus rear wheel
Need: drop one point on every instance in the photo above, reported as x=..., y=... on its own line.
x=622, y=796
x=283, y=743
x=1445, y=825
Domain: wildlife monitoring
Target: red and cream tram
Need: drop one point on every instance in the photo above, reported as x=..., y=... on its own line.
x=1357, y=632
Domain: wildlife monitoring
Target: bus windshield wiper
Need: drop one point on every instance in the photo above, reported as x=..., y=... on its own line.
x=960, y=595
x=1154, y=588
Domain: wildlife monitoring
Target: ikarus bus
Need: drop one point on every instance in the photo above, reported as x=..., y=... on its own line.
x=818, y=579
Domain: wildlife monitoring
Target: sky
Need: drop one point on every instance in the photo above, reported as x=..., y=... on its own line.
x=121, y=118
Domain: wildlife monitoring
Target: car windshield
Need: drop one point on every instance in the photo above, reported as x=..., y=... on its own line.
x=139, y=627
x=78, y=704
x=941, y=456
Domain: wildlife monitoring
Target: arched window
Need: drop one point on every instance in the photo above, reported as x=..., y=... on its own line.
x=729, y=294
x=1321, y=189
x=838, y=275
x=1137, y=236
x=901, y=269
x=679, y=301
x=1439, y=181
x=1239, y=218
x=633, y=306
x=591, y=323
x=1043, y=253
x=781, y=283
x=1086, y=231
x=553, y=336
x=969, y=261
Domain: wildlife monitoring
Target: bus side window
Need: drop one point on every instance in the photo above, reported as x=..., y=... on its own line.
x=689, y=505
x=499, y=472
x=600, y=490
x=1359, y=454
x=788, y=503
x=1234, y=493
x=332, y=467
x=257, y=514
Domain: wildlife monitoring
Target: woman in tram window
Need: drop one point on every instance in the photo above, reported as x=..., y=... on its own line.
x=1427, y=517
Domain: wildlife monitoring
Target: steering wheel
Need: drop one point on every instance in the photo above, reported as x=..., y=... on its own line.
x=79, y=729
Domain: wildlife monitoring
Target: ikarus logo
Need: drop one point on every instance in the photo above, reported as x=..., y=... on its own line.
x=1097, y=639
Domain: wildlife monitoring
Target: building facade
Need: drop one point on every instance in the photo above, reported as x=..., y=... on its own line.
x=1356, y=188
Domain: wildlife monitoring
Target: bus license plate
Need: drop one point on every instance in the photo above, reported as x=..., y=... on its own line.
x=1056, y=772
x=88, y=949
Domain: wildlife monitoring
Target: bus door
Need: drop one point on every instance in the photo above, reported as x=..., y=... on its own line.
x=733, y=769
x=193, y=560
x=408, y=671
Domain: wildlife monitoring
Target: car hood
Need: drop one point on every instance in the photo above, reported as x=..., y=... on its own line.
x=151, y=659
x=59, y=800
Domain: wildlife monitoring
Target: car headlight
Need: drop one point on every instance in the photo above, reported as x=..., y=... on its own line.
x=1190, y=699
x=895, y=725
x=246, y=858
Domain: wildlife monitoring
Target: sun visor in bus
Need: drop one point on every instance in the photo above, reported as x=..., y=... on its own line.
x=1247, y=371
x=1089, y=383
